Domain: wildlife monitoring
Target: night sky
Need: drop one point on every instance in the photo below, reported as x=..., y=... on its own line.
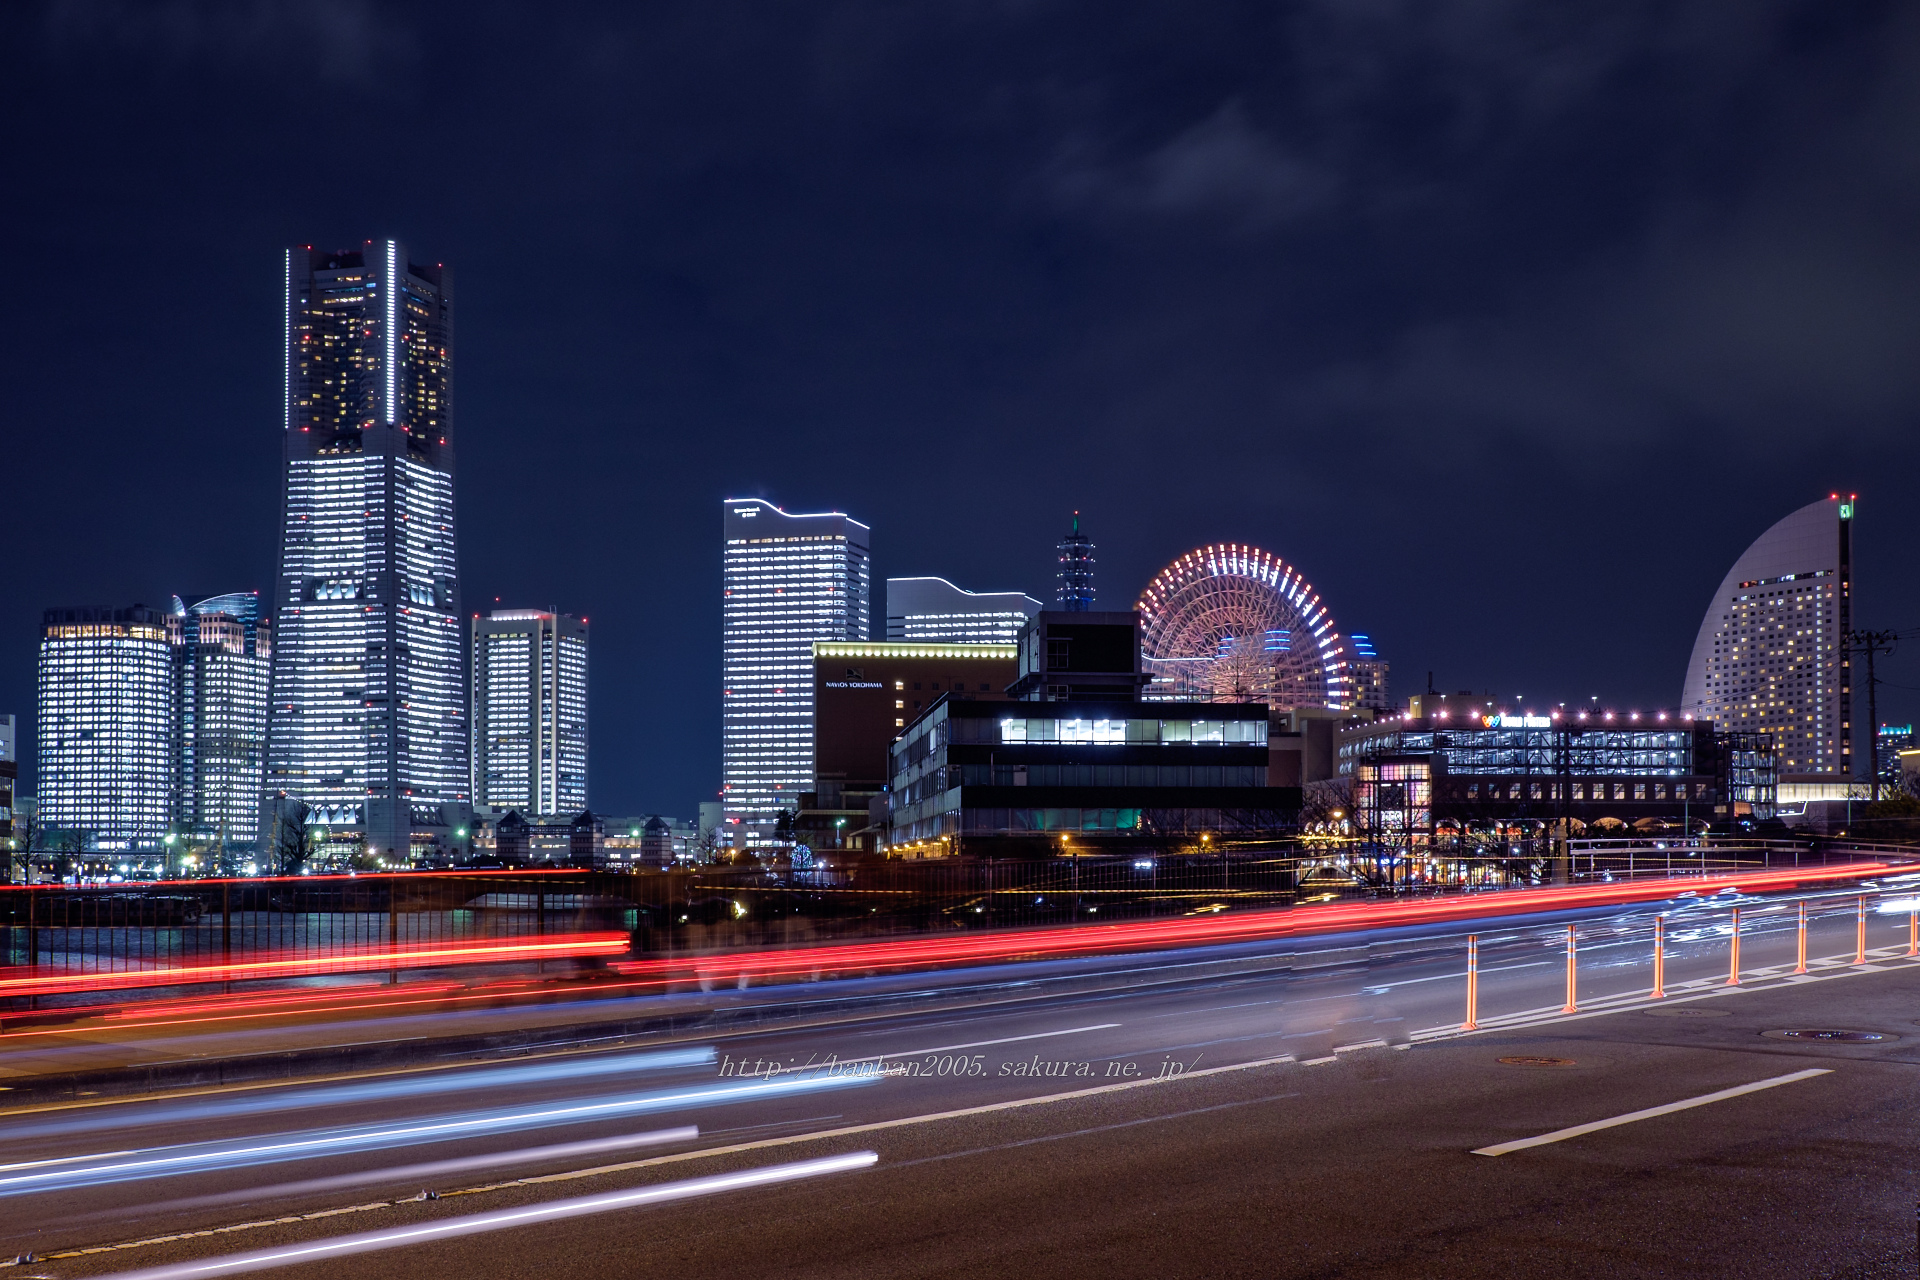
x=1510, y=324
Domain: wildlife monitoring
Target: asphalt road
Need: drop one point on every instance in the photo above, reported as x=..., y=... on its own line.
x=1274, y=1124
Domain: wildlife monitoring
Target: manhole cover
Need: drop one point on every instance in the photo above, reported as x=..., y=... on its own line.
x=1536, y=1062
x=1845, y=1037
x=1686, y=1011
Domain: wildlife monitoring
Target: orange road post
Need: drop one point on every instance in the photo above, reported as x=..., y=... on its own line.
x=1473, y=983
x=1659, y=958
x=1800, y=965
x=1572, y=1004
x=1860, y=933
x=1733, y=955
x=1913, y=932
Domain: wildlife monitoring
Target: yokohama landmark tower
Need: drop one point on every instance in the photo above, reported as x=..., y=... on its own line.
x=368, y=718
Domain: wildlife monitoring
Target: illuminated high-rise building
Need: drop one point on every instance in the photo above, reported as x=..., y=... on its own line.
x=530, y=713
x=220, y=691
x=1771, y=655
x=1367, y=677
x=106, y=725
x=369, y=707
x=934, y=611
x=1073, y=589
x=788, y=580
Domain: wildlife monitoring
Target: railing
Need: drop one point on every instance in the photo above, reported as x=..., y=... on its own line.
x=1708, y=925
x=61, y=940
x=118, y=936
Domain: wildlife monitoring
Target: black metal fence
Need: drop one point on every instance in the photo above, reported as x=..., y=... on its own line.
x=135, y=929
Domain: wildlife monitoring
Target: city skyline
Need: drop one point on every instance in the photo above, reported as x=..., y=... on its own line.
x=1496, y=353
x=1362, y=540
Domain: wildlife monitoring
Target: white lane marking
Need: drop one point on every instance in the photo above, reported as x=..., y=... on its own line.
x=1561, y=1135
x=37, y=1164
x=500, y=1219
x=1254, y=1004
x=1462, y=977
x=975, y=1044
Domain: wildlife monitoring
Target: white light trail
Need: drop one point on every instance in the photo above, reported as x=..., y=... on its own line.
x=473, y=1224
x=409, y=1085
x=410, y=1173
x=158, y=1162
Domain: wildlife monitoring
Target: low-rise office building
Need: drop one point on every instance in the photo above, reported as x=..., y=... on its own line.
x=1101, y=769
x=981, y=778
x=1421, y=774
x=865, y=693
x=933, y=610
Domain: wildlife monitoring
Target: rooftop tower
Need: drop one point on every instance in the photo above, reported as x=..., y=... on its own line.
x=1074, y=591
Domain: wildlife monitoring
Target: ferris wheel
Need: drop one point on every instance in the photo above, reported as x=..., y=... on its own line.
x=1233, y=623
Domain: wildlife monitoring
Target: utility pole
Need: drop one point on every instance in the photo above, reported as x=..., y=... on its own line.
x=1871, y=643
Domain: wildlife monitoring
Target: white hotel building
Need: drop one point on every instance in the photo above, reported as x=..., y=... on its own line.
x=787, y=580
x=1771, y=655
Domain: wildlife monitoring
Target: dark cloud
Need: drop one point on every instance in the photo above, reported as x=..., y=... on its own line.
x=336, y=40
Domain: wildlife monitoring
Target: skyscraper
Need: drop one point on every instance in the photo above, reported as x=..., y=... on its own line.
x=369, y=711
x=788, y=580
x=1771, y=655
x=9, y=780
x=220, y=690
x=1367, y=677
x=530, y=712
x=107, y=721
x=935, y=611
x=1074, y=592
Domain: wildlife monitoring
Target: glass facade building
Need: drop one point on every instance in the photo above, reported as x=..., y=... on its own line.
x=787, y=581
x=369, y=710
x=934, y=611
x=1771, y=655
x=999, y=776
x=106, y=725
x=530, y=712
x=221, y=676
x=1505, y=766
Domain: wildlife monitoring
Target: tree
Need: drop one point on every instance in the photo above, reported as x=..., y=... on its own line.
x=1321, y=801
x=708, y=846
x=20, y=847
x=1897, y=817
x=287, y=844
